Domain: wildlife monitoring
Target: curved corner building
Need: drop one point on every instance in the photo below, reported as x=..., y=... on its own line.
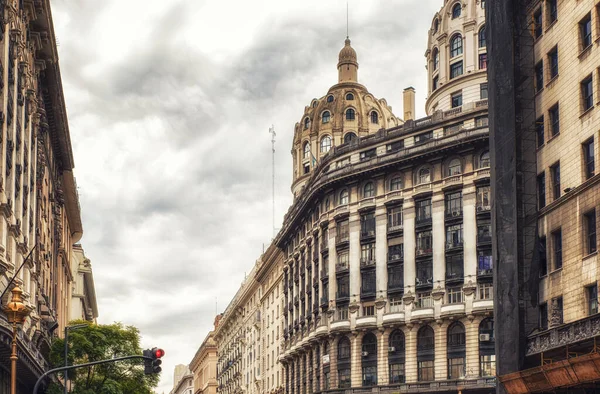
x=388, y=266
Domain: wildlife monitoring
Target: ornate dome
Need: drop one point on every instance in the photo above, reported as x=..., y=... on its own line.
x=348, y=55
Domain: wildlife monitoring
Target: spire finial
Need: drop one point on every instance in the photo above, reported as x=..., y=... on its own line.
x=347, y=21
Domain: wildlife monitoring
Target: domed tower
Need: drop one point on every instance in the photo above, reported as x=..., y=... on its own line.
x=348, y=111
x=456, y=56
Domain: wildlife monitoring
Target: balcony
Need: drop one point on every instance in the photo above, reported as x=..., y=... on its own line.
x=484, y=238
x=315, y=254
x=367, y=262
x=367, y=234
x=423, y=251
x=453, y=180
x=482, y=209
x=341, y=267
x=454, y=276
x=456, y=244
x=309, y=267
x=484, y=273
x=342, y=239
x=366, y=203
x=324, y=302
x=423, y=221
x=324, y=274
x=395, y=229
x=396, y=257
x=454, y=214
x=393, y=196
x=368, y=291
x=423, y=282
x=395, y=286
x=342, y=296
x=316, y=281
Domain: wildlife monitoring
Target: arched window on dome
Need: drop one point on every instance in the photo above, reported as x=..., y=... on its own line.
x=456, y=46
x=436, y=25
x=424, y=176
x=350, y=114
x=314, y=105
x=436, y=58
x=325, y=144
x=396, y=183
x=349, y=96
x=330, y=98
x=396, y=357
x=454, y=167
x=306, y=123
x=484, y=160
x=344, y=197
x=481, y=35
x=349, y=137
x=456, y=10
x=369, y=190
x=326, y=117
x=374, y=117
x=456, y=350
x=306, y=150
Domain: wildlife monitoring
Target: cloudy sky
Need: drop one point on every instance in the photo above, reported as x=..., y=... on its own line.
x=170, y=104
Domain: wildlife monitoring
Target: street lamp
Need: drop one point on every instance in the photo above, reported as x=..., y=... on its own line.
x=67, y=328
x=17, y=312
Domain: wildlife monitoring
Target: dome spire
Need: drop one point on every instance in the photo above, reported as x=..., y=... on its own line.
x=348, y=64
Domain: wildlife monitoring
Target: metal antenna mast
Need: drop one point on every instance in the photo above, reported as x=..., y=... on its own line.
x=272, y=132
x=347, y=22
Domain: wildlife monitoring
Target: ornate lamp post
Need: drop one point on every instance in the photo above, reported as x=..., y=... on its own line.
x=16, y=311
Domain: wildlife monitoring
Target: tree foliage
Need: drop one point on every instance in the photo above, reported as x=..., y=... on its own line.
x=102, y=342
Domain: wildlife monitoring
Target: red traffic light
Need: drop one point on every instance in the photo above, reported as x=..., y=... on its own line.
x=158, y=353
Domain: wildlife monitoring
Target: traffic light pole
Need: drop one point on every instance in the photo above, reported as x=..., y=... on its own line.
x=68, y=368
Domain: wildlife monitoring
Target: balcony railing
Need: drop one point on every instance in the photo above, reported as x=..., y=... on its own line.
x=324, y=245
x=324, y=273
x=340, y=267
x=342, y=238
x=395, y=285
x=394, y=228
x=423, y=251
x=423, y=220
x=454, y=276
x=423, y=282
x=367, y=234
x=425, y=302
x=454, y=244
x=481, y=208
x=368, y=291
x=454, y=213
x=395, y=257
x=342, y=295
x=484, y=272
x=367, y=262
x=484, y=238
x=324, y=301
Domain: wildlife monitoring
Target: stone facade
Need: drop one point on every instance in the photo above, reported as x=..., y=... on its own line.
x=83, y=292
x=39, y=204
x=204, y=366
x=184, y=380
x=387, y=275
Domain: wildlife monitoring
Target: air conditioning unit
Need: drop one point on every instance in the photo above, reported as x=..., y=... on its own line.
x=484, y=337
x=365, y=354
x=391, y=349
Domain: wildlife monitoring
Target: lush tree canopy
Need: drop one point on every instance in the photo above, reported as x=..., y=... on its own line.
x=101, y=342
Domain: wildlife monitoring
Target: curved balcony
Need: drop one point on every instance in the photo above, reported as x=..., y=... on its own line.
x=394, y=317
x=453, y=180
x=483, y=306
x=452, y=309
x=366, y=203
x=422, y=314
x=366, y=321
x=392, y=196
x=340, y=325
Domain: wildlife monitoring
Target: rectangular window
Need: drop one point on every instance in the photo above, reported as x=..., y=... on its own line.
x=394, y=146
x=454, y=267
x=589, y=167
x=551, y=11
x=395, y=252
x=436, y=82
x=485, y=291
x=537, y=23
x=483, y=91
x=342, y=261
x=426, y=371
x=555, y=174
x=541, y=184
x=557, y=311
x=454, y=236
x=544, y=316
x=369, y=310
x=424, y=300
x=585, y=31
x=342, y=231
x=557, y=246
x=342, y=313
x=542, y=256
x=587, y=93
x=454, y=202
x=395, y=218
x=367, y=254
x=455, y=295
x=456, y=368
x=539, y=76
x=367, y=225
x=456, y=99
x=456, y=69
x=553, y=62
x=589, y=220
x=343, y=287
x=424, y=243
x=397, y=373
x=554, y=115
x=487, y=365
x=483, y=199
x=344, y=378
x=395, y=304
x=396, y=278
x=482, y=121
x=482, y=61
x=592, y=299
x=485, y=263
x=423, y=138
x=539, y=131
x=369, y=376
x=423, y=208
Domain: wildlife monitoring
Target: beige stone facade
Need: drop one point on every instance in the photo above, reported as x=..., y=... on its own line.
x=204, y=366
x=568, y=132
x=83, y=291
x=183, y=380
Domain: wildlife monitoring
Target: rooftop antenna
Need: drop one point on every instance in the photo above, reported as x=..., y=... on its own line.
x=347, y=21
x=272, y=132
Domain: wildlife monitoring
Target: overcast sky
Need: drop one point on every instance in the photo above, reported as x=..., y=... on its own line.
x=169, y=106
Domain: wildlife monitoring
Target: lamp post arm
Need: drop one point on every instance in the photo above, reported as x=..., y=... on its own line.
x=68, y=368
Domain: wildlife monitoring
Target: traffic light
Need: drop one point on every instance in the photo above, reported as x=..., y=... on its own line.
x=152, y=360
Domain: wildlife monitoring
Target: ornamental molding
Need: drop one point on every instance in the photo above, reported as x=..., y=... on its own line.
x=563, y=335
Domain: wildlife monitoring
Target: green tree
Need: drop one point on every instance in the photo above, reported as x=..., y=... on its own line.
x=101, y=342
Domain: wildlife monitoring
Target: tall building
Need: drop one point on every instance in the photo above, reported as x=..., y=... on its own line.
x=204, y=365
x=545, y=127
x=387, y=277
x=38, y=195
x=183, y=380
x=83, y=291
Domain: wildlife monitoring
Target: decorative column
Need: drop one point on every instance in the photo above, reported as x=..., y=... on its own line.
x=472, y=347
x=438, y=232
x=409, y=246
x=381, y=251
x=382, y=356
x=332, y=259
x=441, y=350
x=333, y=375
x=354, y=256
x=410, y=366
x=444, y=67
x=470, y=234
x=355, y=359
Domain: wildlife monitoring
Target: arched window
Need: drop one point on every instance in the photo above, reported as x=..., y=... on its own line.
x=456, y=351
x=330, y=98
x=314, y=104
x=349, y=137
x=369, y=190
x=306, y=150
x=424, y=176
x=326, y=117
x=325, y=144
x=456, y=9
x=436, y=58
x=344, y=197
x=487, y=356
x=454, y=167
x=350, y=114
x=306, y=123
x=396, y=183
x=425, y=354
x=327, y=204
x=484, y=160
x=481, y=35
x=396, y=355
x=436, y=25
x=374, y=117
x=344, y=363
x=369, y=360
x=456, y=46
x=349, y=96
